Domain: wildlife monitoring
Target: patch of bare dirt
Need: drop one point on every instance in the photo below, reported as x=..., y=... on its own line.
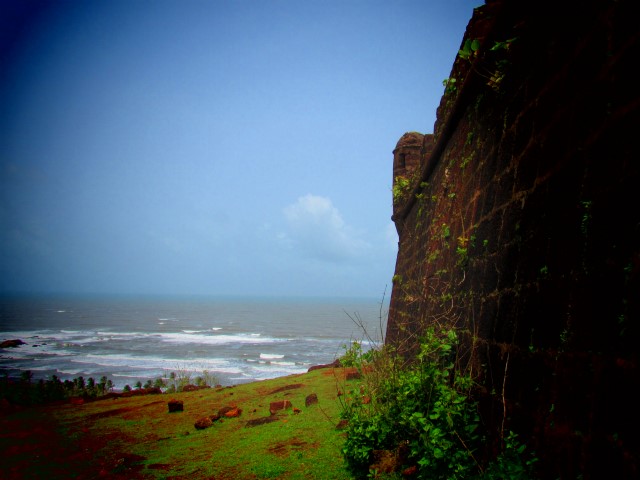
x=284, y=449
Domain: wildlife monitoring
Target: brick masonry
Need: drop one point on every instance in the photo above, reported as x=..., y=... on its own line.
x=520, y=226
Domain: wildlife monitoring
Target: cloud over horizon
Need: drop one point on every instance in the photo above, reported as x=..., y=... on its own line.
x=316, y=228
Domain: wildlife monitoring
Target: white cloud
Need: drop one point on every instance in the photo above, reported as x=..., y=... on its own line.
x=316, y=227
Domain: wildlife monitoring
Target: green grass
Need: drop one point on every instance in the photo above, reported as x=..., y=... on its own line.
x=158, y=444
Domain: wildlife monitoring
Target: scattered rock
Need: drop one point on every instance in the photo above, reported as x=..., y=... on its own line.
x=229, y=412
x=296, y=411
x=311, y=400
x=11, y=343
x=224, y=410
x=175, y=406
x=277, y=406
x=204, y=422
x=342, y=425
x=236, y=412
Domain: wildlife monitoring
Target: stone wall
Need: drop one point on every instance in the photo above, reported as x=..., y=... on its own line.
x=520, y=225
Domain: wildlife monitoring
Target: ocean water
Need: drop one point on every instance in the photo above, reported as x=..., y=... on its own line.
x=136, y=339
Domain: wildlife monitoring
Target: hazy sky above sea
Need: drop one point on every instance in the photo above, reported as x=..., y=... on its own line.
x=211, y=147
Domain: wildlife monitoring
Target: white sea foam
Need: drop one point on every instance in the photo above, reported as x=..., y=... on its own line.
x=272, y=371
x=216, y=339
x=270, y=356
x=157, y=363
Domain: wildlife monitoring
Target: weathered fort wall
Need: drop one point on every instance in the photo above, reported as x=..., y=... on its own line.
x=519, y=223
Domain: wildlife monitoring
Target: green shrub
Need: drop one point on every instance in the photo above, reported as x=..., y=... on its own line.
x=425, y=413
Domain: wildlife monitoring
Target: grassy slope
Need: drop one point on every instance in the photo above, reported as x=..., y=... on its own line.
x=136, y=437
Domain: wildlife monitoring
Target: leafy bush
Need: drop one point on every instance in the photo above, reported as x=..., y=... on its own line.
x=424, y=412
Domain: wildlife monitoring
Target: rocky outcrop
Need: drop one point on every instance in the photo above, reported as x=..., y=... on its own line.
x=11, y=343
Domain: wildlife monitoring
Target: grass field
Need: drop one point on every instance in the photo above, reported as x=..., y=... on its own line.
x=137, y=438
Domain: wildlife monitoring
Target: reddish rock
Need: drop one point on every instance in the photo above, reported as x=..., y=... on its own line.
x=296, y=411
x=175, y=406
x=277, y=406
x=234, y=412
x=204, y=422
x=224, y=410
x=76, y=401
x=311, y=400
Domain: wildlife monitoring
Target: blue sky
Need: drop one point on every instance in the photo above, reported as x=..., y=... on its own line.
x=211, y=147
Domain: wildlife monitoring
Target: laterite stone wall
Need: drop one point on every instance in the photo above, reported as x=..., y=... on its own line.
x=521, y=227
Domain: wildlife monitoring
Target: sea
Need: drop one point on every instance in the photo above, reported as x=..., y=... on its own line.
x=130, y=339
